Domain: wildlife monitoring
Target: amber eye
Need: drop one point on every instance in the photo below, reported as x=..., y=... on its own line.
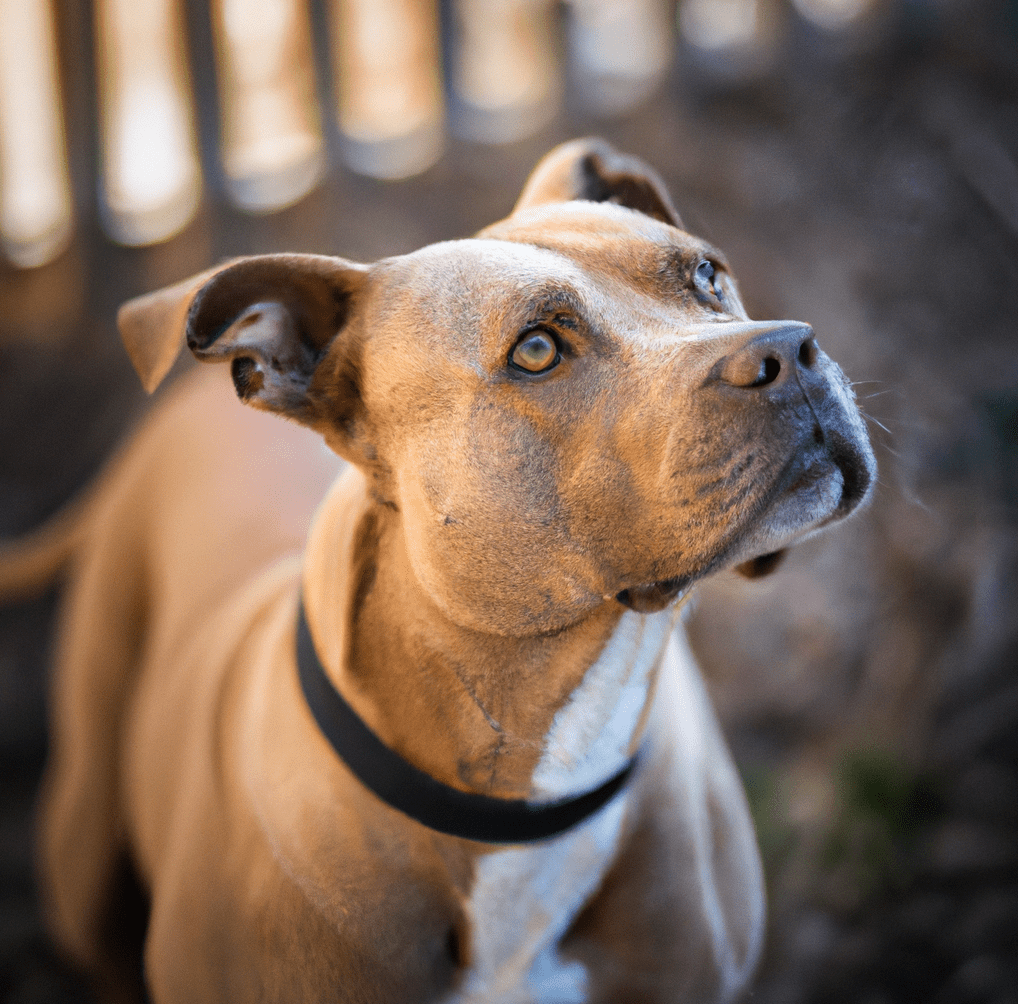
x=536, y=353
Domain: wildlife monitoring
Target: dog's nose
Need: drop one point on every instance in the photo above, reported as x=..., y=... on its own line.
x=770, y=358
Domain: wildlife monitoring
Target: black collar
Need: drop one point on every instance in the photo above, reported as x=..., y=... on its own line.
x=420, y=796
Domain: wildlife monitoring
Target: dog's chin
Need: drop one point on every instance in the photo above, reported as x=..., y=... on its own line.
x=655, y=596
x=809, y=504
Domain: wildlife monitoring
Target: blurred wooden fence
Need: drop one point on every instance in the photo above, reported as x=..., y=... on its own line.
x=374, y=82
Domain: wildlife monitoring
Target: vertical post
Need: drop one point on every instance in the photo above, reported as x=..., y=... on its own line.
x=388, y=63
x=620, y=49
x=151, y=179
x=35, y=196
x=736, y=30
x=505, y=69
x=270, y=130
x=833, y=15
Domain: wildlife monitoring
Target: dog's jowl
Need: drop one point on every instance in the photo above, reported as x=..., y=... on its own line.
x=448, y=744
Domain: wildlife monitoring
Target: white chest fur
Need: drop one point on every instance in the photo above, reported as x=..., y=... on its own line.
x=524, y=899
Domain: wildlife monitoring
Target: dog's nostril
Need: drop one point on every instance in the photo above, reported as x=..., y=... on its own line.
x=808, y=352
x=768, y=372
x=770, y=358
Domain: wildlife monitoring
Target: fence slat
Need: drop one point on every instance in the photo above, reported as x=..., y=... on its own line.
x=35, y=196
x=151, y=179
x=388, y=83
x=505, y=69
x=270, y=129
x=621, y=50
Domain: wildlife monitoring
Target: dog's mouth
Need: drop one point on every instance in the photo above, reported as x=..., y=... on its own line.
x=855, y=475
x=857, y=471
x=655, y=596
x=757, y=568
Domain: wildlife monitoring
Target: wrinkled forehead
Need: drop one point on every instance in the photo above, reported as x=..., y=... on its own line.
x=592, y=256
x=580, y=226
x=605, y=239
x=459, y=295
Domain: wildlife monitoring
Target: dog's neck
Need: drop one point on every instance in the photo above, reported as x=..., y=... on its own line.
x=535, y=717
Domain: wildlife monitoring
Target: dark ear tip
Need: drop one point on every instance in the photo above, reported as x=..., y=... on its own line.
x=602, y=156
x=604, y=174
x=597, y=150
x=199, y=345
x=196, y=334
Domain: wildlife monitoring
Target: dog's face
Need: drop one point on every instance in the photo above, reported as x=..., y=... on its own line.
x=569, y=409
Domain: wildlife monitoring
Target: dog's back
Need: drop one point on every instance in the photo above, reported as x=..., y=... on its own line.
x=207, y=494
x=229, y=490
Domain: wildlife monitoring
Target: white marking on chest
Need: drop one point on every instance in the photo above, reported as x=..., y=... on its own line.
x=700, y=760
x=524, y=899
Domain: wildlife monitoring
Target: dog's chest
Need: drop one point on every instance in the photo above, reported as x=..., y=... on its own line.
x=524, y=899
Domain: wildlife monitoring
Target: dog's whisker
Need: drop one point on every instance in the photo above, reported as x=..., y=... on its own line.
x=912, y=499
x=875, y=421
x=906, y=494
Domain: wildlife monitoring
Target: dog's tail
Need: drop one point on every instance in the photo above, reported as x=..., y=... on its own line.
x=29, y=564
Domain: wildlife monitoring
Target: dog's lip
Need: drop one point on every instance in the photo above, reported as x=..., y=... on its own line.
x=762, y=564
x=809, y=476
x=844, y=460
x=654, y=596
x=838, y=458
x=857, y=471
x=650, y=597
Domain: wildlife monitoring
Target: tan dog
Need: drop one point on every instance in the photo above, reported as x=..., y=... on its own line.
x=554, y=429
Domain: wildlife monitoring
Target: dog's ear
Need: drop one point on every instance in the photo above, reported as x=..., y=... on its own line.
x=152, y=327
x=273, y=317
x=594, y=170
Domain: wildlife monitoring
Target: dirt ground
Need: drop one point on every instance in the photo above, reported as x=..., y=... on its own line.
x=869, y=687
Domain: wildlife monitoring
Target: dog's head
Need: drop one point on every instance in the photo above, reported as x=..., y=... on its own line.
x=571, y=408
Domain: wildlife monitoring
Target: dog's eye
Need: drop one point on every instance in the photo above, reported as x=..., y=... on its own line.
x=535, y=353
x=706, y=279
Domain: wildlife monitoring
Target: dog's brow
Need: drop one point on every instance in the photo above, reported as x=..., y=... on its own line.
x=548, y=303
x=677, y=258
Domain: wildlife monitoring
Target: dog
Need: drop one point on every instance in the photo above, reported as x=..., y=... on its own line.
x=455, y=748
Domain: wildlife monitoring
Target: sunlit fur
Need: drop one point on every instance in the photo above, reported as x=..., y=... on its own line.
x=491, y=584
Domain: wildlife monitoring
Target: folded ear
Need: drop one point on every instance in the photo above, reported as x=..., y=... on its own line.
x=273, y=317
x=594, y=170
x=152, y=327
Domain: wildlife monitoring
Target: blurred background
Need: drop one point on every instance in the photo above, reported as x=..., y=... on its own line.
x=856, y=159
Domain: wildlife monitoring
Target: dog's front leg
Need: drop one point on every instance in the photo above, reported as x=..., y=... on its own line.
x=243, y=936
